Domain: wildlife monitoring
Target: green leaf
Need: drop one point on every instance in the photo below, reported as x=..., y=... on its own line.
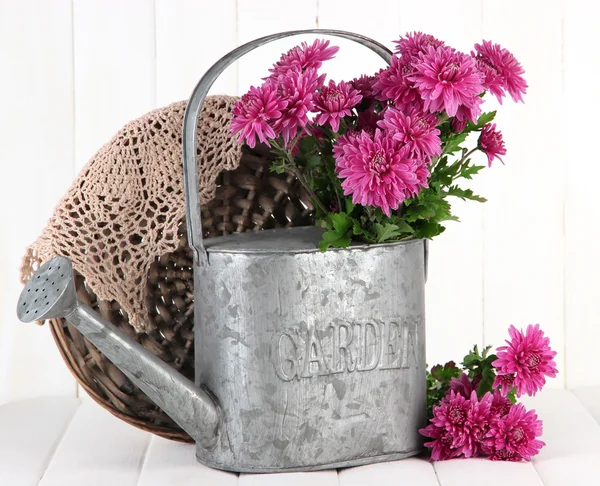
x=403, y=226
x=438, y=383
x=386, y=232
x=307, y=145
x=479, y=367
x=481, y=121
x=446, y=372
x=453, y=144
x=512, y=396
x=339, y=225
x=418, y=212
x=332, y=238
x=487, y=380
x=463, y=194
x=468, y=171
x=439, y=164
x=485, y=352
x=444, y=173
x=430, y=206
x=486, y=118
x=428, y=230
x=313, y=161
x=472, y=359
x=359, y=230
x=349, y=205
x=279, y=166
x=342, y=222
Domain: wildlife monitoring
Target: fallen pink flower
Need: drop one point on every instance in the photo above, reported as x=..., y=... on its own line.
x=528, y=357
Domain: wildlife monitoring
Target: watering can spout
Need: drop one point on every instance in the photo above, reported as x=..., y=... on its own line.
x=50, y=294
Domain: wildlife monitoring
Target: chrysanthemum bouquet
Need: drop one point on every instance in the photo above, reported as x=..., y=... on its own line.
x=381, y=155
x=474, y=411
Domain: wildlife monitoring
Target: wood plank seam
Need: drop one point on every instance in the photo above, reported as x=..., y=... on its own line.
x=58, y=442
x=565, y=188
x=437, y=478
x=537, y=472
x=154, y=53
x=143, y=461
x=579, y=400
x=73, y=100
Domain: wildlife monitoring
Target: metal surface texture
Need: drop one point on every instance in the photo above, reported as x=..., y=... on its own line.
x=191, y=407
x=317, y=359
x=192, y=112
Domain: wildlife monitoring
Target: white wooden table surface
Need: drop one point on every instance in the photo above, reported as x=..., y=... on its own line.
x=67, y=442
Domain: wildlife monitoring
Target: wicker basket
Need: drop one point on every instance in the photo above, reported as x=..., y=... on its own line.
x=248, y=198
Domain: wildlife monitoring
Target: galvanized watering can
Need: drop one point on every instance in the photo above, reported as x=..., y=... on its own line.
x=304, y=360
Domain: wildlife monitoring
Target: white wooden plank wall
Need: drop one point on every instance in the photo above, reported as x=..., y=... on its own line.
x=582, y=262
x=74, y=71
x=37, y=160
x=523, y=222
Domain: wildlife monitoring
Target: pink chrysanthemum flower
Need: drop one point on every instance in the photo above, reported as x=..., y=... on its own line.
x=364, y=85
x=342, y=143
x=394, y=83
x=335, y=102
x=458, y=426
x=298, y=89
x=457, y=125
x=529, y=357
x=478, y=423
x=415, y=129
x=490, y=142
x=255, y=113
x=447, y=79
x=492, y=80
x=304, y=57
x=506, y=66
x=513, y=437
x=500, y=405
x=504, y=383
x=441, y=445
x=415, y=43
x=422, y=173
x=463, y=386
x=447, y=427
x=378, y=171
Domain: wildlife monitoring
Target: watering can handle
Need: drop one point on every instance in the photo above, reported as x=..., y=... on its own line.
x=190, y=122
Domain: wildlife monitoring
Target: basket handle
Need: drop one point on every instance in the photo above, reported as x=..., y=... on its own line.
x=190, y=122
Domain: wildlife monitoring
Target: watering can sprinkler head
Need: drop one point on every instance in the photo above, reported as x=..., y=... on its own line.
x=50, y=293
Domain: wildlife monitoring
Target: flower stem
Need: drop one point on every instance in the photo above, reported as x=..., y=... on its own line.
x=337, y=194
x=462, y=161
x=294, y=169
x=443, y=118
x=467, y=155
x=302, y=181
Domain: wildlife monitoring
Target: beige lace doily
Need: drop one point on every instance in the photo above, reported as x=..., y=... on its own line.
x=123, y=209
